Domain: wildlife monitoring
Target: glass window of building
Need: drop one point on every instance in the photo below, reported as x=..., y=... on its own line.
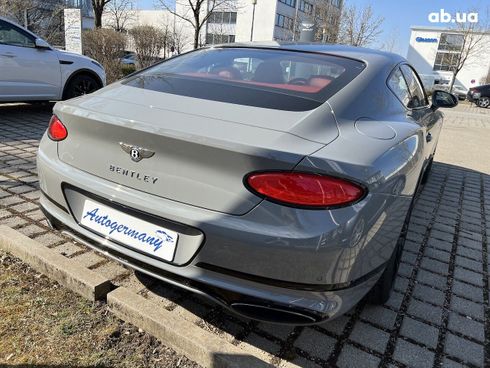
x=448, y=51
x=291, y=3
x=305, y=7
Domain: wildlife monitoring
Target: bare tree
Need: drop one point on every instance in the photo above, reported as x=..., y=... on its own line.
x=179, y=39
x=148, y=43
x=327, y=20
x=470, y=40
x=196, y=12
x=359, y=27
x=99, y=6
x=390, y=43
x=120, y=14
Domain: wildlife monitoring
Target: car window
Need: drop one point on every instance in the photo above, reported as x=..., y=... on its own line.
x=269, y=78
x=415, y=88
x=11, y=35
x=398, y=85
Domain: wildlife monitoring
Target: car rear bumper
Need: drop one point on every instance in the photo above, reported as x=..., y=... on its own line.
x=315, y=267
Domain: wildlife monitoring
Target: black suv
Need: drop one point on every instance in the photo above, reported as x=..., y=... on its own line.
x=480, y=95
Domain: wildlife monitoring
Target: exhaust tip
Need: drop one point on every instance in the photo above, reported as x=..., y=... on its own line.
x=272, y=314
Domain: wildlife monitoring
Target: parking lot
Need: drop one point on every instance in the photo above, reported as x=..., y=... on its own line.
x=438, y=315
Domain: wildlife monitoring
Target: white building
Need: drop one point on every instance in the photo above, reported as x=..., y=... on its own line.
x=271, y=19
x=435, y=51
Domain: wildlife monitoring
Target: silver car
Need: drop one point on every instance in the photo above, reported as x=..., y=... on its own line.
x=276, y=179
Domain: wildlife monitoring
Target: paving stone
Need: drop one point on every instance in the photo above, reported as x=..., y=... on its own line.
x=21, y=189
x=432, y=279
x=438, y=254
x=413, y=355
x=351, y=357
x=32, y=229
x=466, y=307
x=420, y=332
x=48, y=239
x=472, y=292
x=470, y=243
x=88, y=259
x=395, y=300
x=111, y=270
x=379, y=315
x=10, y=201
x=468, y=276
x=68, y=249
x=24, y=207
x=425, y=311
x=470, y=253
x=466, y=326
x=429, y=294
x=299, y=362
x=315, y=343
x=468, y=263
x=13, y=222
x=370, y=337
x=435, y=266
x=258, y=346
x=463, y=349
x=448, y=363
x=279, y=331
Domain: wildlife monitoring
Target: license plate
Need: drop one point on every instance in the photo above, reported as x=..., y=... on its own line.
x=130, y=231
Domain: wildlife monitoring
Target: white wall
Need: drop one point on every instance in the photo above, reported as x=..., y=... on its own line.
x=265, y=12
x=422, y=56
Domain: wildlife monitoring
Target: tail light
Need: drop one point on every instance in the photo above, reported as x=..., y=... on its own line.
x=304, y=189
x=56, y=130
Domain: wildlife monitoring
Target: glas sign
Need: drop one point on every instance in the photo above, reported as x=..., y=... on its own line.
x=426, y=40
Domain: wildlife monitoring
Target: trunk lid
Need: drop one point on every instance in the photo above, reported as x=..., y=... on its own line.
x=201, y=149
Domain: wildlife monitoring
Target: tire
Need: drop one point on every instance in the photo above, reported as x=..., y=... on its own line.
x=426, y=175
x=381, y=291
x=80, y=85
x=483, y=102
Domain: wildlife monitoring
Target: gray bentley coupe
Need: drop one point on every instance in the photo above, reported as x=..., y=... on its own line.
x=275, y=179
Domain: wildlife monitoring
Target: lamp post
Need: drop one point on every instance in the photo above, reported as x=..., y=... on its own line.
x=254, y=2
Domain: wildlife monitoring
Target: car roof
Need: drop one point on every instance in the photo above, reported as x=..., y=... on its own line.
x=359, y=53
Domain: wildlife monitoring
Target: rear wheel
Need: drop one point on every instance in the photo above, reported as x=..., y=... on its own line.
x=426, y=174
x=484, y=102
x=79, y=85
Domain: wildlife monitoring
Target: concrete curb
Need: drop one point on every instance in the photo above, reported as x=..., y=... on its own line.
x=183, y=336
x=57, y=267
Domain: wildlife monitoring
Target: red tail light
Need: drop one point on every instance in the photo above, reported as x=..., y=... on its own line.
x=56, y=130
x=304, y=189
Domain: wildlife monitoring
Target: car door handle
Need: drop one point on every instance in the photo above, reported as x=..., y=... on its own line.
x=428, y=137
x=8, y=54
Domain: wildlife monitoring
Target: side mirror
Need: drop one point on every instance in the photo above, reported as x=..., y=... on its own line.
x=41, y=44
x=443, y=99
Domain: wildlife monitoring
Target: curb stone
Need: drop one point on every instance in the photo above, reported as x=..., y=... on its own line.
x=201, y=346
x=67, y=272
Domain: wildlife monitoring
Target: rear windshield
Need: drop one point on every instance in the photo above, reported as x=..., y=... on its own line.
x=268, y=78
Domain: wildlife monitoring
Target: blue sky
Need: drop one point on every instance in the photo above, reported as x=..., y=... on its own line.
x=400, y=15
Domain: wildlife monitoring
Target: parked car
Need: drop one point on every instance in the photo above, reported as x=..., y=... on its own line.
x=31, y=70
x=480, y=95
x=129, y=59
x=458, y=90
x=283, y=194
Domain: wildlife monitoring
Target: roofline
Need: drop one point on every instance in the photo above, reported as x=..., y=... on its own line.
x=444, y=29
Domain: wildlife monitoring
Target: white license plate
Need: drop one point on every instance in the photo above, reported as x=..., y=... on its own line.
x=128, y=230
